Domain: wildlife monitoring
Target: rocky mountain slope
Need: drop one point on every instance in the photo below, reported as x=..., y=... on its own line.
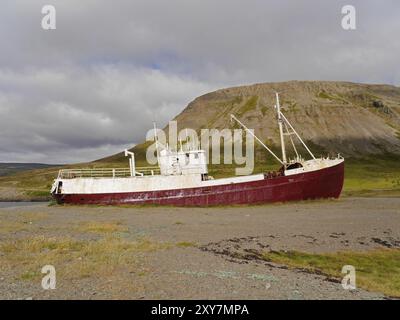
x=350, y=118
x=333, y=117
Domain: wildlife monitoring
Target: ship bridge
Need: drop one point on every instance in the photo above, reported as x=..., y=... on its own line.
x=182, y=162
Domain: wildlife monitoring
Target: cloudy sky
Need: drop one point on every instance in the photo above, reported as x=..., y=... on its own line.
x=93, y=86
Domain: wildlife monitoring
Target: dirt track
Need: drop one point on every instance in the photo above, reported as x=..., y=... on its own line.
x=209, y=255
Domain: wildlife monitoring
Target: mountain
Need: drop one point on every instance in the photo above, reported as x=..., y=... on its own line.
x=360, y=121
x=333, y=117
x=8, y=168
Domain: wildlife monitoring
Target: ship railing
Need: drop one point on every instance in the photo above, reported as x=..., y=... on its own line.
x=106, y=172
x=147, y=171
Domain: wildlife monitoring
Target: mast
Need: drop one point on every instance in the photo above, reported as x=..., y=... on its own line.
x=298, y=136
x=278, y=109
x=291, y=140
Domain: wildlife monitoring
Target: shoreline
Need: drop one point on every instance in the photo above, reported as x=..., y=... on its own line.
x=378, y=193
x=22, y=200
x=197, y=250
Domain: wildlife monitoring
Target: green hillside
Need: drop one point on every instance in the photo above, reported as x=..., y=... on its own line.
x=360, y=121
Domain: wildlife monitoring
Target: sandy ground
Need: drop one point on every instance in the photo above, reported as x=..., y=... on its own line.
x=213, y=251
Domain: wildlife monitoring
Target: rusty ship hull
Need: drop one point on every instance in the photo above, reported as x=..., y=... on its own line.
x=318, y=184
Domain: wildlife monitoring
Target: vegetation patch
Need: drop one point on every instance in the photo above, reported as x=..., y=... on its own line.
x=103, y=227
x=377, y=270
x=186, y=244
x=12, y=226
x=74, y=259
x=39, y=194
x=250, y=105
x=264, y=110
x=372, y=175
x=34, y=216
x=324, y=95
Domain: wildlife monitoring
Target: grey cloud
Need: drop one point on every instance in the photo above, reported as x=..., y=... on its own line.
x=85, y=109
x=111, y=68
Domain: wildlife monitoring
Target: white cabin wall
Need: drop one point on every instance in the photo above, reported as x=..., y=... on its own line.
x=129, y=184
x=146, y=183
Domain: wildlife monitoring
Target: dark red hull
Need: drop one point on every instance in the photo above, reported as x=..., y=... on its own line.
x=324, y=183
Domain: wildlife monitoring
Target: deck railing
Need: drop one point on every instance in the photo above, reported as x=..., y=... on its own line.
x=106, y=172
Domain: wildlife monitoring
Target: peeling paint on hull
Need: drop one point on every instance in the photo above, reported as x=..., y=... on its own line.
x=324, y=183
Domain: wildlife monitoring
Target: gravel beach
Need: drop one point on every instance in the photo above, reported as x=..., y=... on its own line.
x=191, y=253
